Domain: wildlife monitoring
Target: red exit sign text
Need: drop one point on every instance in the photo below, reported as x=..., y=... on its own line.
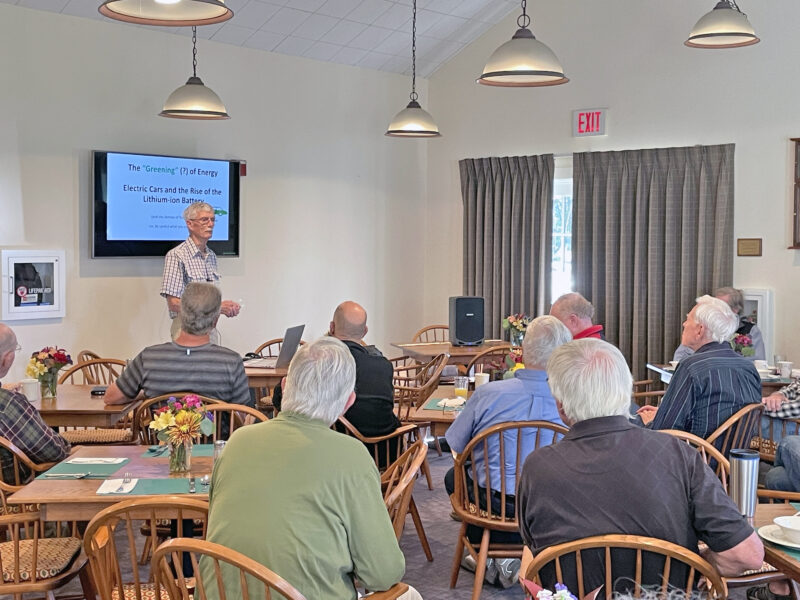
x=589, y=121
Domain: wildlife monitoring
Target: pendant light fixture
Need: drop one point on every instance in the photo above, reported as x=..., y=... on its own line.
x=170, y=13
x=724, y=27
x=194, y=100
x=523, y=61
x=413, y=121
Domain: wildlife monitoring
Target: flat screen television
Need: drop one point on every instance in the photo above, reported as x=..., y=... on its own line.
x=139, y=201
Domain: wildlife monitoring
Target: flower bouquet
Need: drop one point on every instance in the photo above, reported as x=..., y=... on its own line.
x=516, y=324
x=45, y=365
x=536, y=591
x=743, y=344
x=179, y=424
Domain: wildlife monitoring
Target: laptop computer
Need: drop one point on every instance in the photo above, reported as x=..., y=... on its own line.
x=291, y=340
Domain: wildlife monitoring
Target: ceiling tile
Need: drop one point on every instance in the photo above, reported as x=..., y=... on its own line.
x=309, y=5
x=446, y=27
x=232, y=34
x=79, y=8
x=349, y=56
x=315, y=27
x=344, y=33
x=427, y=19
x=264, y=40
x=256, y=13
x=395, y=18
x=396, y=64
x=206, y=32
x=370, y=38
x=51, y=5
x=396, y=43
x=471, y=31
x=294, y=46
x=322, y=51
x=373, y=60
x=443, y=6
x=369, y=10
x=338, y=8
x=286, y=20
x=237, y=5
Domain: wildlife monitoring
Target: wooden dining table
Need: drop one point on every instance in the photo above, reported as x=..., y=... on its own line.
x=786, y=560
x=768, y=385
x=439, y=419
x=261, y=377
x=459, y=355
x=74, y=406
x=77, y=499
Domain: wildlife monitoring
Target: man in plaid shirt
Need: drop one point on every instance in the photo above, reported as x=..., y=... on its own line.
x=20, y=423
x=192, y=260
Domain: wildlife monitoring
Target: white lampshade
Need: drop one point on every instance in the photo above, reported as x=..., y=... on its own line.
x=724, y=27
x=194, y=101
x=523, y=61
x=170, y=13
x=413, y=121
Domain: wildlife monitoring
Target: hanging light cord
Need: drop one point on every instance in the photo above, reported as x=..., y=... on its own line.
x=413, y=94
x=732, y=4
x=194, y=51
x=524, y=20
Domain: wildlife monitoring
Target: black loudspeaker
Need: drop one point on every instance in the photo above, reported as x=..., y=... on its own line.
x=466, y=320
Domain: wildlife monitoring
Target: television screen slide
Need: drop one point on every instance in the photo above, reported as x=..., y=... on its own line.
x=146, y=195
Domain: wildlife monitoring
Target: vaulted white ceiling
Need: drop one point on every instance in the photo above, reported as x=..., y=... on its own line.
x=375, y=34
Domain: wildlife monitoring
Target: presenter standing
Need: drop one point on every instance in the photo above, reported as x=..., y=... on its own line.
x=193, y=260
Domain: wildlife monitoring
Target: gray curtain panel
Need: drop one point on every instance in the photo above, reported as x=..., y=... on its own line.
x=652, y=230
x=508, y=224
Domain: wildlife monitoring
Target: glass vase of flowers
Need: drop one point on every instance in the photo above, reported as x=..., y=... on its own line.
x=44, y=365
x=743, y=344
x=179, y=424
x=516, y=325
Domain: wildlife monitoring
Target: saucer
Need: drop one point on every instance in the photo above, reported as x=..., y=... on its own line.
x=774, y=534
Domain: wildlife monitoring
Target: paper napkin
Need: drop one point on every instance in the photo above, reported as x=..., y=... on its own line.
x=95, y=461
x=451, y=402
x=112, y=486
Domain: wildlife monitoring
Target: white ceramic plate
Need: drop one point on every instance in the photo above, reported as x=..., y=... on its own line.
x=774, y=534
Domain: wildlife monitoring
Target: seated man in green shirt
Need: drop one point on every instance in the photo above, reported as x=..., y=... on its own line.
x=300, y=498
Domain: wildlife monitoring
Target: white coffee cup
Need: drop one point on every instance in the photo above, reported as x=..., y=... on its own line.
x=480, y=379
x=32, y=389
x=785, y=369
x=760, y=365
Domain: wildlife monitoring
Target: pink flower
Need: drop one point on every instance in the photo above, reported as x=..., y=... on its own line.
x=178, y=406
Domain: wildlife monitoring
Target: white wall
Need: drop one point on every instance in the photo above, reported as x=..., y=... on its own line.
x=331, y=209
x=629, y=57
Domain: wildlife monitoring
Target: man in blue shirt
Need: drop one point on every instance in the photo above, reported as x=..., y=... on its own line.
x=713, y=383
x=526, y=397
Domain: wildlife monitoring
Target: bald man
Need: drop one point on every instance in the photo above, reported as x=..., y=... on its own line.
x=373, y=411
x=20, y=422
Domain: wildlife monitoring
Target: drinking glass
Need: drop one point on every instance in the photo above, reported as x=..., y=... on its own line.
x=461, y=384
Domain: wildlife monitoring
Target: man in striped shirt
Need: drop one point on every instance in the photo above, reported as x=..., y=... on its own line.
x=190, y=363
x=713, y=383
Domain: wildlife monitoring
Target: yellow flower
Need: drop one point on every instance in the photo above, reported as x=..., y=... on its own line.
x=34, y=369
x=517, y=367
x=162, y=421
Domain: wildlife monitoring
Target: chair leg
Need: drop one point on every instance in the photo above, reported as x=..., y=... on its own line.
x=426, y=468
x=423, y=539
x=436, y=443
x=87, y=585
x=457, y=558
x=480, y=571
x=145, y=558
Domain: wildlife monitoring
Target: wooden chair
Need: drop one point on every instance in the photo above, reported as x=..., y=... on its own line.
x=491, y=357
x=144, y=414
x=114, y=528
x=432, y=334
x=85, y=355
x=397, y=482
x=246, y=577
x=738, y=430
x=34, y=563
x=387, y=452
x=474, y=505
x=645, y=394
x=24, y=471
x=236, y=415
x=765, y=442
x=570, y=562
x=412, y=391
x=96, y=371
x=711, y=456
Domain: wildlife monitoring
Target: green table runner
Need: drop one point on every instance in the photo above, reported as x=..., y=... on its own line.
x=98, y=471
x=151, y=487
x=432, y=404
x=197, y=450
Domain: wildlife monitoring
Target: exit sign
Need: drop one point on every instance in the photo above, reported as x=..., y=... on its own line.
x=589, y=121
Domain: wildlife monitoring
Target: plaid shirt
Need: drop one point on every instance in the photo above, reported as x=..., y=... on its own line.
x=790, y=409
x=22, y=425
x=184, y=264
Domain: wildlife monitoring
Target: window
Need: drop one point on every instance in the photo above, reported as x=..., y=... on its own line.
x=561, y=266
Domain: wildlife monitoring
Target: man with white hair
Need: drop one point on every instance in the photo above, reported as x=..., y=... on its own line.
x=713, y=383
x=300, y=498
x=526, y=397
x=608, y=476
x=20, y=423
x=192, y=260
x=576, y=312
